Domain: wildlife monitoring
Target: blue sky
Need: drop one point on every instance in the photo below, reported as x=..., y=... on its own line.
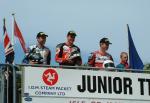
x=90, y=19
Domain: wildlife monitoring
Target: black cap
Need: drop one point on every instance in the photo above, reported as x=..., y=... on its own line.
x=72, y=33
x=105, y=40
x=41, y=34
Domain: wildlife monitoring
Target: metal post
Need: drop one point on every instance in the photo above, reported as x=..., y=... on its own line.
x=2, y=86
x=7, y=84
x=1, y=93
x=12, y=35
x=14, y=84
x=2, y=76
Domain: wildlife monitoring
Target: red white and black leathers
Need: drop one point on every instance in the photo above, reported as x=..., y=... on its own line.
x=65, y=53
x=96, y=59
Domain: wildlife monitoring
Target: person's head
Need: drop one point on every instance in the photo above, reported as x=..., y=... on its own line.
x=41, y=38
x=124, y=57
x=104, y=44
x=71, y=37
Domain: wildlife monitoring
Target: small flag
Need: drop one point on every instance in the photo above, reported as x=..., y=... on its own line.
x=134, y=58
x=9, y=51
x=18, y=34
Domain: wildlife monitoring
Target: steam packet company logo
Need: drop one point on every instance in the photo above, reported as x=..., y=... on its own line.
x=50, y=77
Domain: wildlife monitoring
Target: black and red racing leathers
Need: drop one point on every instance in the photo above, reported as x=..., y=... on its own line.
x=68, y=55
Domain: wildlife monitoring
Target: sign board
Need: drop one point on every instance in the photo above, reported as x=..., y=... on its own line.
x=64, y=84
x=77, y=100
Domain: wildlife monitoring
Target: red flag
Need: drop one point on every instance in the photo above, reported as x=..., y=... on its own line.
x=18, y=34
x=9, y=51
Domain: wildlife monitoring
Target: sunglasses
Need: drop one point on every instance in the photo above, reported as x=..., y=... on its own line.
x=125, y=57
x=107, y=44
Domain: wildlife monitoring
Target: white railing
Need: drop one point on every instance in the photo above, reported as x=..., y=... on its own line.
x=88, y=68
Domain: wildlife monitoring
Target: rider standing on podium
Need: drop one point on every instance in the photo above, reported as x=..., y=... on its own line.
x=67, y=53
x=99, y=57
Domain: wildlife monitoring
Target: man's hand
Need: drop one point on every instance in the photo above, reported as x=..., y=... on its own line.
x=70, y=61
x=32, y=62
x=67, y=61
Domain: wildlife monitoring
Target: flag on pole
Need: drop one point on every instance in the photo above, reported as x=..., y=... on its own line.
x=18, y=34
x=134, y=58
x=9, y=51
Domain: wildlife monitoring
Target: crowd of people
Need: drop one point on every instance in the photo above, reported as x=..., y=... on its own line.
x=69, y=54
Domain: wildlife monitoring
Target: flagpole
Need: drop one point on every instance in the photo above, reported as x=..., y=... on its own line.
x=128, y=45
x=6, y=75
x=4, y=22
x=12, y=39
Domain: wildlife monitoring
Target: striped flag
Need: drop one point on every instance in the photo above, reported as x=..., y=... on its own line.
x=9, y=51
x=18, y=34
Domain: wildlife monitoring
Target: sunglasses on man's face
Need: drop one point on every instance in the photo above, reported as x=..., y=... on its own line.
x=107, y=44
x=72, y=36
x=125, y=57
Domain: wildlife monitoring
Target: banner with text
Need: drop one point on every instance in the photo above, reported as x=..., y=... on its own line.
x=57, y=82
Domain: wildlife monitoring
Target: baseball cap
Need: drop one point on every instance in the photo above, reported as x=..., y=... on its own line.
x=105, y=40
x=72, y=33
x=41, y=34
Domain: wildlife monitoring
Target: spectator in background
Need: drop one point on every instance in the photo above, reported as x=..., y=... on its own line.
x=98, y=57
x=67, y=53
x=39, y=53
x=123, y=61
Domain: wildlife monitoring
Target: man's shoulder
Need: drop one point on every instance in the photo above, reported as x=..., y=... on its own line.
x=46, y=48
x=108, y=54
x=32, y=46
x=75, y=46
x=95, y=52
x=60, y=44
x=120, y=66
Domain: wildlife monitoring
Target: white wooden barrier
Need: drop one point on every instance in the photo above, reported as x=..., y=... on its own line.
x=60, y=85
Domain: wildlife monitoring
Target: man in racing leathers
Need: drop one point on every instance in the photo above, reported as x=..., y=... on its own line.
x=98, y=57
x=67, y=53
x=39, y=53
